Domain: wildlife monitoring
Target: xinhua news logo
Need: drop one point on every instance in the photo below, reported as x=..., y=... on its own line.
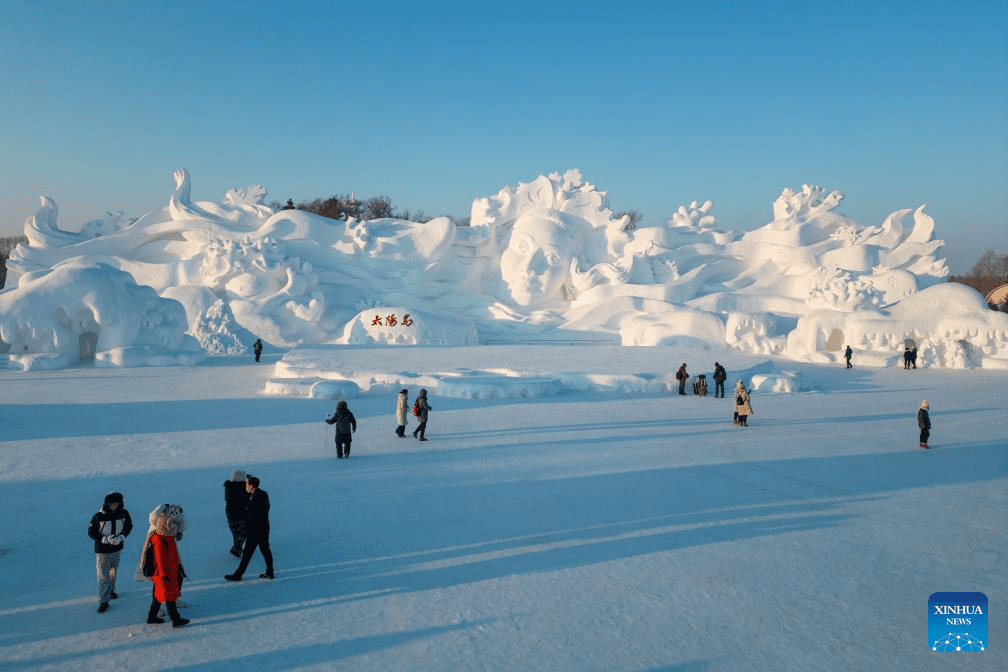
x=957, y=622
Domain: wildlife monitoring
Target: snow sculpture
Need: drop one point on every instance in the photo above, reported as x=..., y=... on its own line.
x=546, y=259
x=45, y=322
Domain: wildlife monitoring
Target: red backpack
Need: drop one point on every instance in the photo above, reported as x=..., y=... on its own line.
x=416, y=408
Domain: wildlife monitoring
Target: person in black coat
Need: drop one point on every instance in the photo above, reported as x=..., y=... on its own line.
x=109, y=527
x=720, y=375
x=236, y=509
x=847, y=355
x=257, y=347
x=346, y=425
x=924, y=422
x=257, y=529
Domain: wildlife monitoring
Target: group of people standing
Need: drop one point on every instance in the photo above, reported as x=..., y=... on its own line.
x=743, y=402
x=910, y=357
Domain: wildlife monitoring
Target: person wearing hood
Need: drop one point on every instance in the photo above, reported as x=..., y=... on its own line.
x=421, y=409
x=402, y=407
x=109, y=527
x=924, y=422
x=167, y=524
x=346, y=425
x=236, y=510
x=743, y=407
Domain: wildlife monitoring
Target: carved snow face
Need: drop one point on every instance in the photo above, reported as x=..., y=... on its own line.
x=536, y=263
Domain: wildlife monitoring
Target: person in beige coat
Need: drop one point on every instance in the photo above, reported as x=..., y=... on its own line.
x=402, y=412
x=743, y=406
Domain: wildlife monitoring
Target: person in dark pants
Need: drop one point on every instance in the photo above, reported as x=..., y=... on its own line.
x=167, y=526
x=681, y=376
x=847, y=355
x=720, y=375
x=346, y=425
x=236, y=510
x=906, y=358
x=257, y=529
x=913, y=357
x=257, y=348
x=924, y=422
x=109, y=528
x=422, y=410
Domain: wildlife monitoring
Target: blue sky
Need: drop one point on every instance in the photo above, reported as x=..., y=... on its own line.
x=433, y=104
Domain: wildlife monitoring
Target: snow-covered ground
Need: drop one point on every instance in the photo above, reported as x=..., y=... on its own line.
x=552, y=525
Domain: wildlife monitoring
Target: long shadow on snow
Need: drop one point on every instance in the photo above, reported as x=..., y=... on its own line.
x=21, y=422
x=437, y=531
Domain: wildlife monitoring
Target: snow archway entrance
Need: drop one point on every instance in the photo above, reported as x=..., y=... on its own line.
x=88, y=347
x=835, y=341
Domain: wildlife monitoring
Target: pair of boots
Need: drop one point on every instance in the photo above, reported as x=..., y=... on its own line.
x=400, y=431
x=923, y=445
x=176, y=618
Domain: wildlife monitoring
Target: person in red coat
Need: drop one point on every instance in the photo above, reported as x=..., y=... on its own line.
x=167, y=525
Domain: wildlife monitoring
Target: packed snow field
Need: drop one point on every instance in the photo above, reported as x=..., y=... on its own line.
x=595, y=521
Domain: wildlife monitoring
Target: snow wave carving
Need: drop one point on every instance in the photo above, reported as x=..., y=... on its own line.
x=543, y=260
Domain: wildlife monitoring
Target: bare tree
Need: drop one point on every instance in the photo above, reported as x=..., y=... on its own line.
x=633, y=219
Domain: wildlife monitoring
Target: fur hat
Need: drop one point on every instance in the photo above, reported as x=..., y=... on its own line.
x=924, y=405
x=237, y=475
x=168, y=520
x=422, y=393
x=113, y=498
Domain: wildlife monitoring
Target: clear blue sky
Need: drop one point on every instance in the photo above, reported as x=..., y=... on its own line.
x=896, y=104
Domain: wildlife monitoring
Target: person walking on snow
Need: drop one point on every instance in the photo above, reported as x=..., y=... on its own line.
x=743, y=407
x=167, y=526
x=681, y=376
x=257, y=347
x=402, y=408
x=109, y=527
x=236, y=510
x=421, y=409
x=257, y=528
x=924, y=422
x=346, y=425
x=847, y=355
x=720, y=375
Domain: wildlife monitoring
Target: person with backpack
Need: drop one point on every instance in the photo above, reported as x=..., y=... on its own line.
x=257, y=348
x=421, y=409
x=682, y=376
x=346, y=424
x=743, y=407
x=720, y=375
x=109, y=527
x=166, y=572
x=924, y=423
x=402, y=407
